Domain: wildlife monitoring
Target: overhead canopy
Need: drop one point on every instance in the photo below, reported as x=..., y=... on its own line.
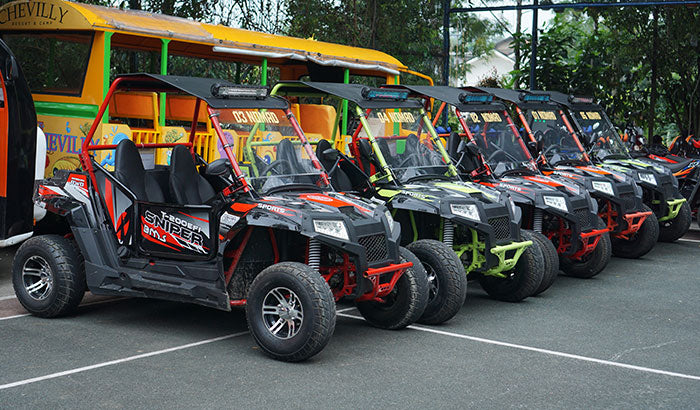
x=350, y=92
x=452, y=96
x=222, y=40
x=198, y=87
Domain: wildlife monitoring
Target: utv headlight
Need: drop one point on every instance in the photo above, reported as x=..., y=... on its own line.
x=556, y=202
x=389, y=219
x=648, y=178
x=469, y=211
x=335, y=229
x=604, y=187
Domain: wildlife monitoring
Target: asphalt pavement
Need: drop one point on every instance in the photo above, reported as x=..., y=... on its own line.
x=627, y=338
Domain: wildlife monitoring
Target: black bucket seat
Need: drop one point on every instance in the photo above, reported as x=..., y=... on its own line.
x=129, y=170
x=186, y=184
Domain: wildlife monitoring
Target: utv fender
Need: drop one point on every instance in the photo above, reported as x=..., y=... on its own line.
x=408, y=203
x=74, y=211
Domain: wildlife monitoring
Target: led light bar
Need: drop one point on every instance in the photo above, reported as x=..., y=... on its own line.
x=381, y=94
x=527, y=97
x=580, y=100
x=228, y=91
x=466, y=98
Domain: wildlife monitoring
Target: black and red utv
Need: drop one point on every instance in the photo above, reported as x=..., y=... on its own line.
x=278, y=241
x=633, y=227
x=490, y=151
x=670, y=184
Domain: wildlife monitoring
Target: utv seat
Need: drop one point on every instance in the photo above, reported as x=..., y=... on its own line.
x=286, y=152
x=129, y=170
x=339, y=179
x=187, y=186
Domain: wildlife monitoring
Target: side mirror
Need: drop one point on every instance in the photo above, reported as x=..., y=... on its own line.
x=219, y=167
x=535, y=148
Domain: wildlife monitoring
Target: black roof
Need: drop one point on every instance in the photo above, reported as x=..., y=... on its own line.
x=451, y=95
x=350, y=92
x=198, y=87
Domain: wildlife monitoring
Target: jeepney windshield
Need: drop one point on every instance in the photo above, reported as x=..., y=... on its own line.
x=498, y=141
x=408, y=143
x=602, y=138
x=558, y=144
x=274, y=154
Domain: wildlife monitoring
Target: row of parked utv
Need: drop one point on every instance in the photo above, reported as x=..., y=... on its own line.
x=392, y=217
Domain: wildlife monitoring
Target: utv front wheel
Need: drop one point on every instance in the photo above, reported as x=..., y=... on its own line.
x=671, y=230
x=447, y=281
x=406, y=302
x=520, y=282
x=551, y=261
x=641, y=241
x=593, y=263
x=290, y=311
x=48, y=276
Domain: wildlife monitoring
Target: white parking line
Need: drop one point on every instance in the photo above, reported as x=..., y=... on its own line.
x=113, y=362
x=689, y=240
x=15, y=316
x=544, y=351
x=97, y=302
x=7, y=297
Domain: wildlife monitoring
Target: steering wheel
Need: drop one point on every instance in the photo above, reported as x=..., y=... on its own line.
x=550, y=148
x=277, y=164
x=409, y=158
x=498, y=152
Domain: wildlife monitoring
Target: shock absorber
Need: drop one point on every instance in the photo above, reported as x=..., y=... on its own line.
x=537, y=221
x=314, y=254
x=448, y=233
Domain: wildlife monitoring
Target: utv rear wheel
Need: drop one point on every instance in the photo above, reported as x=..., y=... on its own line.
x=641, y=242
x=290, y=311
x=48, y=276
x=520, y=282
x=406, y=302
x=551, y=261
x=447, y=281
x=593, y=263
x=675, y=228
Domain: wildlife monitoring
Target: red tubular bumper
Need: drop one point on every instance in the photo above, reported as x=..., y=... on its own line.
x=381, y=289
x=634, y=223
x=589, y=240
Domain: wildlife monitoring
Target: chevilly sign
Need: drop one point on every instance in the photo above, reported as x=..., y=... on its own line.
x=45, y=14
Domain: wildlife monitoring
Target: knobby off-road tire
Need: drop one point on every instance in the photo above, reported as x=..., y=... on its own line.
x=641, y=242
x=48, y=276
x=520, y=282
x=447, y=281
x=551, y=261
x=290, y=311
x=405, y=304
x=593, y=263
x=672, y=230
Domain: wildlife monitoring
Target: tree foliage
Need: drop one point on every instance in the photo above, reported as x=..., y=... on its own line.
x=610, y=54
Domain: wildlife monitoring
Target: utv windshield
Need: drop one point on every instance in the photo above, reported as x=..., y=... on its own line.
x=274, y=156
x=602, y=139
x=498, y=140
x=558, y=145
x=408, y=143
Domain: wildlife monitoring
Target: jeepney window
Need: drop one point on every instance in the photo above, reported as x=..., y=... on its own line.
x=126, y=60
x=59, y=61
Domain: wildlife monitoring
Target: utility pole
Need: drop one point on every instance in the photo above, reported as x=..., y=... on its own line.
x=445, y=49
x=533, y=53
